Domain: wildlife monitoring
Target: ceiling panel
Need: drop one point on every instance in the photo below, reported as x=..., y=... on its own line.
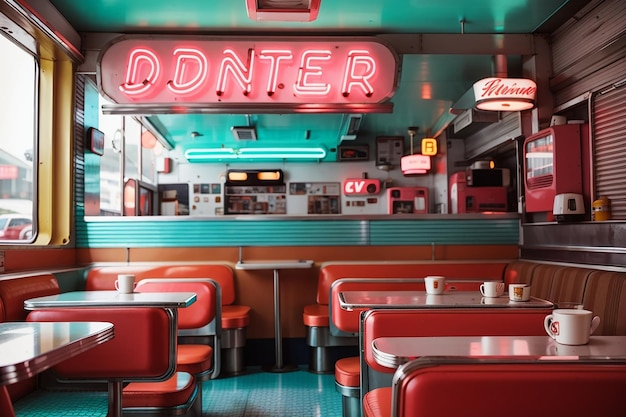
x=428, y=86
x=397, y=16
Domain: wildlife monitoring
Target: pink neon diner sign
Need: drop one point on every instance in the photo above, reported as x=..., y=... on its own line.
x=178, y=70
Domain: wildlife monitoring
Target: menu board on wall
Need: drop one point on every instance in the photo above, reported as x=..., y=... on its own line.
x=255, y=192
x=321, y=197
x=256, y=200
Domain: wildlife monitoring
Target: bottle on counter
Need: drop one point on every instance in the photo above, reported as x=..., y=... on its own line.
x=601, y=209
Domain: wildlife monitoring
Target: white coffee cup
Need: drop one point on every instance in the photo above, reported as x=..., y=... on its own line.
x=519, y=292
x=125, y=283
x=492, y=289
x=571, y=326
x=435, y=284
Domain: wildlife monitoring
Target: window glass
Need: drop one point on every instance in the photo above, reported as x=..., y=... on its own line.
x=126, y=190
x=132, y=138
x=110, y=163
x=18, y=151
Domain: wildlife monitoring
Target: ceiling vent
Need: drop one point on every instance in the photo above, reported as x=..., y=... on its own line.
x=243, y=132
x=350, y=126
x=283, y=10
x=471, y=121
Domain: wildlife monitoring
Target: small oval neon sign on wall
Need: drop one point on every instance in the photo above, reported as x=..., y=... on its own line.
x=505, y=94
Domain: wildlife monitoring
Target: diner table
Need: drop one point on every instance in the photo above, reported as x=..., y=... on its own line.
x=27, y=349
x=350, y=300
x=392, y=352
x=169, y=301
x=275, y=266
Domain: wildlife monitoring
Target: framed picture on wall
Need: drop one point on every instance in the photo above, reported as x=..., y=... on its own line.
x=389, y=150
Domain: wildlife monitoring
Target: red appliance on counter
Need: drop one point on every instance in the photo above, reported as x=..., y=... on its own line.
x=553, y=165
x=407, y=200
x=466, y=199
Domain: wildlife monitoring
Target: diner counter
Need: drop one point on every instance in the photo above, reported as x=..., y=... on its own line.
x=304, y=230
x=256, y=217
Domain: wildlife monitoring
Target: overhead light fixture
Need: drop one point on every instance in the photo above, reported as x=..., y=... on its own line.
x=217, y=154
x=283, y=10
x=282, y=153
x=505, y=94
x=414, y=164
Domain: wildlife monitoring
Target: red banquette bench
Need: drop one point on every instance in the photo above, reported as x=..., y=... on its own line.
x=235, y=318
x=443, y=387
x=177, y=395
x=316, y=317
x=143, y=349
x=354, y=376
x=14, y=290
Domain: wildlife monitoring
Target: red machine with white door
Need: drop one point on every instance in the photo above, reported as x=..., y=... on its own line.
x=407, y=200
x=475, y=199
x=553, y=165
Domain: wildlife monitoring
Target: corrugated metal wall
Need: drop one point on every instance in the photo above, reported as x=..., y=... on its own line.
x=609, y=114
x=79, y=145
x=585, y=50
x=599, y=21
x=589, y=56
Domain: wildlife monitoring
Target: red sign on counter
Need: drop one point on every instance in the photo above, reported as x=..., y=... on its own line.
x=177, y=70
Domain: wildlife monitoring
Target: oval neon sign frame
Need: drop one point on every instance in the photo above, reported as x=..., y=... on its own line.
x=244, y=70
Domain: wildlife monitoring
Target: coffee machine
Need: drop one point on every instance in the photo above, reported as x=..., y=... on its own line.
x=472, y=192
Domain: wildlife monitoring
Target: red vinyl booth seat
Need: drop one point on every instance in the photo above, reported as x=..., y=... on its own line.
x=420, y=322
x=13, y=292
x=203, y=316
x=321, y=332
x=329, y=273
x=172, y=392
x=458, y=322
x=444, y=387
x=234, y=318
x=347, y=322
x=141, y=349
x=479, y=271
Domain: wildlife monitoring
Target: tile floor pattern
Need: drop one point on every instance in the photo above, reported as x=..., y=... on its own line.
x=254, y=394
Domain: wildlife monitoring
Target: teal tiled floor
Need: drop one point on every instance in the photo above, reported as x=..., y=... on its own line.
x=254, y=394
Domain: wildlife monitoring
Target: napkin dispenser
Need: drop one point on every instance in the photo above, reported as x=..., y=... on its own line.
x=568, y=207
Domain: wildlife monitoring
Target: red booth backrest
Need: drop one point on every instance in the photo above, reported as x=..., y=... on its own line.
x=103, y=277
x=457, y=322
x=479, y=271
x=439, y=388
x=14, y=291
x=197, y=315
x=141, y=349
x=348, y=321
